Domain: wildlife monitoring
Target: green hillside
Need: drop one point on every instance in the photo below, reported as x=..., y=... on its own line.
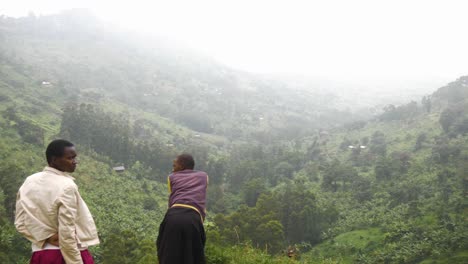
x=83, y=61
x=287, y=170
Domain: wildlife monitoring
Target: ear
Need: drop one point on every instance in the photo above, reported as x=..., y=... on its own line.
x=52, y=160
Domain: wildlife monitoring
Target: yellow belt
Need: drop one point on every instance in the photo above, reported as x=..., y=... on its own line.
x=188, y=206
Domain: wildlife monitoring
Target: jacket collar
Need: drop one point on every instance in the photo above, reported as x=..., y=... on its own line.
x=55, y=171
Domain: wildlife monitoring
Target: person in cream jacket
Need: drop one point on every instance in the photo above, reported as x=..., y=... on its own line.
x=51, y=213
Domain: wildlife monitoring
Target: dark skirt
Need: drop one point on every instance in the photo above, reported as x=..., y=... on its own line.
x=181, y=238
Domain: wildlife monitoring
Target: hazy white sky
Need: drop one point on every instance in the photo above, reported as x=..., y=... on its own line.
x=359, y=40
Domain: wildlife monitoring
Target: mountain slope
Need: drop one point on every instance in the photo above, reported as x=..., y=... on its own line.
x=88, y=62
x=286, y=169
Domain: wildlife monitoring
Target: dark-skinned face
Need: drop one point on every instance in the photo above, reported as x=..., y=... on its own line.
x=66, y=163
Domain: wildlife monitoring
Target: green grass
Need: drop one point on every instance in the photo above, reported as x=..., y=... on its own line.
x=460, y=257
x=346, y=246
x=246, y=254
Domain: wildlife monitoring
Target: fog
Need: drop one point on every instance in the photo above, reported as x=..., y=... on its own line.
x=332, y=131
x=371, y=45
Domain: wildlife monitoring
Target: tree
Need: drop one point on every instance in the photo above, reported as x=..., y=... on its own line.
x=378, y=144
x=252, y=190
x=120, y=247
x=443, y=151
x=426, y=103
x=422, y=137
x=336, y=173
x=215, y=199
x=283, y=170
x=447, y=119
x=300, y=215
x=312, y=171
x=346, y=142
x=147, y=251
x=269, y=235
x=383, y=169
x=245, y=170
x=216, y=169
x=12, y=176
x=401, y=161
x=8, y=254
x=461, y=126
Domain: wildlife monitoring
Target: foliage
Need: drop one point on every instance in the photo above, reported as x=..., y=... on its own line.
x=89, y=126
x=276, y=180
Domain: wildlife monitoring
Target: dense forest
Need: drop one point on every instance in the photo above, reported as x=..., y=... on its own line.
x=290, y=170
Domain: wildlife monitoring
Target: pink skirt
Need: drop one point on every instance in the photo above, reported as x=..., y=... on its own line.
x=53, y=256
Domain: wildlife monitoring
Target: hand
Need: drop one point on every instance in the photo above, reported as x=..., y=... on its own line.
x=53, y=240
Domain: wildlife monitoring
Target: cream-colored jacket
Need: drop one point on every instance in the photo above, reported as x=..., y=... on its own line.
x=48, y=203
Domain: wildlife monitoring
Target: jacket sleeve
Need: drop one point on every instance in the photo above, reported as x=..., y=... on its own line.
x=67, y=213
x=20, y=224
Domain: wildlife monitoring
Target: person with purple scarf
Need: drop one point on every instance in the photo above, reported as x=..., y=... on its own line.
x=181, y=238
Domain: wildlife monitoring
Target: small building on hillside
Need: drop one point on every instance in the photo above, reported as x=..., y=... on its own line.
x=119, y=169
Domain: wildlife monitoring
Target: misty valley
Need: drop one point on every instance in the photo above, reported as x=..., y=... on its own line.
x=297, y=173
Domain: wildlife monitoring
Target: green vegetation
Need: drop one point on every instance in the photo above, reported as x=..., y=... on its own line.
x=285, y=171
x=346, y=246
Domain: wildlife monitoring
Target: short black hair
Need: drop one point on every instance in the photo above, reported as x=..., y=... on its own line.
x=56, y=148
x=186, y=160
